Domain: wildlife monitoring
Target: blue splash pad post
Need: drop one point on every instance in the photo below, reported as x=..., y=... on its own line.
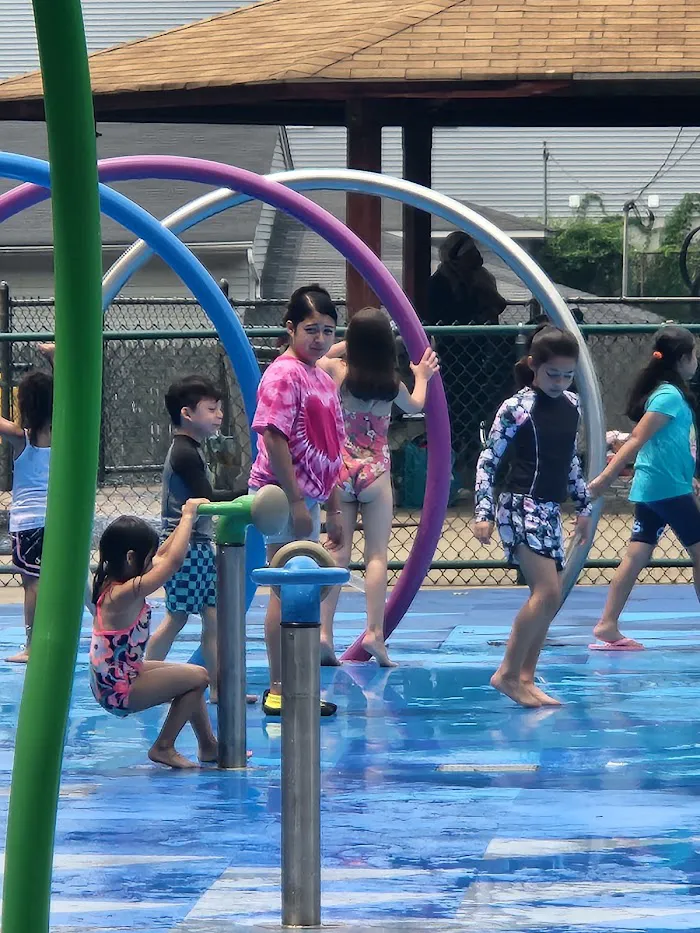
x=302, y=584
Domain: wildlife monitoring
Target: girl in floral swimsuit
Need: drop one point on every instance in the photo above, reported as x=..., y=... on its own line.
x=131, y=567
x=537, y=427
x=369, y=386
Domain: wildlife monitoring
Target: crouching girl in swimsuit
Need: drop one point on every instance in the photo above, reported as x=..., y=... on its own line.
x=131, y=567
x=369, y=385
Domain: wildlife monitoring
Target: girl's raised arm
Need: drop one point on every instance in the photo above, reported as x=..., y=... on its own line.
x=13, y=434
x=335, y=367
x=167, y=561
x=337, y=352
x=424, y=371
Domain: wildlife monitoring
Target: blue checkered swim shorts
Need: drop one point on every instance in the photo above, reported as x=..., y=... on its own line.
x=194, y=585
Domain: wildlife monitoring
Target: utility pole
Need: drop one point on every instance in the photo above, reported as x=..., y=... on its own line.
x=545, y=174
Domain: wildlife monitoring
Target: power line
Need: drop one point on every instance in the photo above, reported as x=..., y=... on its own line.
x=680, y=157
x=657, y=173
x=663, y=170
x=584, y=184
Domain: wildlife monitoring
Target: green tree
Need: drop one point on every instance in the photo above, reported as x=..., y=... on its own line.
x=662, y=274
x=586, y=253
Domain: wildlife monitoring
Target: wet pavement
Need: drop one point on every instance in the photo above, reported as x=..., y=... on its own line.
x=445, y=807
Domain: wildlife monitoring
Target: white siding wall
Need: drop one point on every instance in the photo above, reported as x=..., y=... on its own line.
x=107, y=23
x=267, y=215
x=501, y=167
x=31, y=276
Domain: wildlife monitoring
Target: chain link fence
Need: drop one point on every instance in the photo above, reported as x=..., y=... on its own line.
x=476, y=365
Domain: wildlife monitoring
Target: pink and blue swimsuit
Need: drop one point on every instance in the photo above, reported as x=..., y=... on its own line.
x=116, y=658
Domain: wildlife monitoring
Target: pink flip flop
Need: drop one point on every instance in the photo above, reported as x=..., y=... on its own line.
x=622, y=644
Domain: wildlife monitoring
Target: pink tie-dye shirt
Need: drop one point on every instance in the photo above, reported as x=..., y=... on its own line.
x=302, y=403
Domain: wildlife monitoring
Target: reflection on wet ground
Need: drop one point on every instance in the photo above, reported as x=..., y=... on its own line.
x=445, y=807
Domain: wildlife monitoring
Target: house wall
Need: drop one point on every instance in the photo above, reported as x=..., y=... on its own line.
x=267, y=216
x=30, y=275
x=502, y=168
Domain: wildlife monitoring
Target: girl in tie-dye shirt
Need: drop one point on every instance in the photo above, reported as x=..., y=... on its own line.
x=300, y=430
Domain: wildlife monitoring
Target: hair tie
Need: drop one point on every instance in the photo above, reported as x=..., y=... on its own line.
x=658, y=355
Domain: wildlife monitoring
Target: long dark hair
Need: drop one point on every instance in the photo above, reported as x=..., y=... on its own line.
x=671, y=344
x=126, y=533
x=35, y=400
x=371, y=357
x=546, y=342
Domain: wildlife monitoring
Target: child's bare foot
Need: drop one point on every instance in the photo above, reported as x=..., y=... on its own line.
x=328, y=656
x=515, y=690
x=377, y=649
x=544, y=698
x=607, y=631
x=208, y=751
x=20, y=658
x=168, y=755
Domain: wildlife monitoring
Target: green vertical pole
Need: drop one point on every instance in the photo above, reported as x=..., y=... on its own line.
x=76, y=422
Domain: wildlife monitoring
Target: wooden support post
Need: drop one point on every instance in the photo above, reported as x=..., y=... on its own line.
x=417, y=242
x=364, y=212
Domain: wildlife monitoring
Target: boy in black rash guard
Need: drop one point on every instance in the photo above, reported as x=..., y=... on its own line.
x=537, y=427
x=194, y=406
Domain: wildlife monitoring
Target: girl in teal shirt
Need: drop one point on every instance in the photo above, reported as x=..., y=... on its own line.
x=664, y=484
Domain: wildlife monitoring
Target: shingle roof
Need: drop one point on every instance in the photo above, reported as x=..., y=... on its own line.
x=251, y=147
x=285, y=41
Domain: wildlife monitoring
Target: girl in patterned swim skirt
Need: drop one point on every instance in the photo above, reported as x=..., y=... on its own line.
x=131, y=567
x=537, y=429
x=369, y=387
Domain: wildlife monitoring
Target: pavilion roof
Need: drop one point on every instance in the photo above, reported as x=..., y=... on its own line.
x=287, y=48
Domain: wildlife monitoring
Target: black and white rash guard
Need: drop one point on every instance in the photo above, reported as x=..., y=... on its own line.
x=539, y=434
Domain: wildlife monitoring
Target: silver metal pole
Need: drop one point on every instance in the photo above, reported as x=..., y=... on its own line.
x=301, y=776
x=230, y=662
x=625, y=249
x=545, y=187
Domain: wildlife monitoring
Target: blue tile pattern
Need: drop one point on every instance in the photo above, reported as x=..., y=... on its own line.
x=445, y=807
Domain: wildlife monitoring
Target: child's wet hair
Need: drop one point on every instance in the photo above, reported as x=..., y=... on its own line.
x=126, y=533
x=371, y=356
x=307, y=300
x=35, y=400
x=671, y=344
x=188, y=393
x=546, y=342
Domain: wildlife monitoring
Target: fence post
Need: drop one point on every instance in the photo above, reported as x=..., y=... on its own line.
x=102, y=453
x=6, y=379
x=521, y=339
x=520, y=342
